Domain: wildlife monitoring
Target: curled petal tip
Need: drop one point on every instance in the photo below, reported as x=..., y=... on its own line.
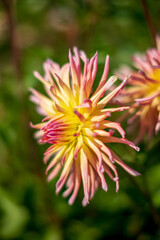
x=85, y=201
x=116, y=179
x=70, y=202
x=111, y=131
x=75, y=48
x=117, y=185
x=31, y=90
x=137, y=148
x=111, y=81
x=105, y=188
x=157, y=128
x=31, y=125
x=70, y=54
x=35, y=73
x=137, y=173
x=123, y=135
x=101, y=168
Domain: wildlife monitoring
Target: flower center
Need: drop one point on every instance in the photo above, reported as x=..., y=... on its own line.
x=156, y=85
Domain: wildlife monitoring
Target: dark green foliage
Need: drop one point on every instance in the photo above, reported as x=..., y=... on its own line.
x=29, y=208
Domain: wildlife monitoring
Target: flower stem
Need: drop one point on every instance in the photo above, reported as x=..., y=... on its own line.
x=13, y=38
x=150, y=24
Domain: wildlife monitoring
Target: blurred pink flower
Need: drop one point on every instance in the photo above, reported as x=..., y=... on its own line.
x=75, y=123
x=143, y=93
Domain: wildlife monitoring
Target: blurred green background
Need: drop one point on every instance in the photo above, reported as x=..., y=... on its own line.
x=30, y=32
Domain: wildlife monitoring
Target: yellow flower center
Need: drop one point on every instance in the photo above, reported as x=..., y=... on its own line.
x=155, y=86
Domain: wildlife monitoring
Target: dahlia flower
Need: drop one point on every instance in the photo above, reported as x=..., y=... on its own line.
x=143, y=93
x=74, y=125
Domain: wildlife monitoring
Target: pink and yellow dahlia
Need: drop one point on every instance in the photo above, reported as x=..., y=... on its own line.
x=76, y=125
x=143, y=93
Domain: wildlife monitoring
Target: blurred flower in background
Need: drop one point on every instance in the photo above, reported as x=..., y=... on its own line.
x=75, y=123
x=143, y=93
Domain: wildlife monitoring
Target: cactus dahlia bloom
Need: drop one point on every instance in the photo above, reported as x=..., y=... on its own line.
x=143, y=93
x=74, y=124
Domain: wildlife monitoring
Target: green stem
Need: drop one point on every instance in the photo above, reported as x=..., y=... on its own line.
x=13, y=38
x=150, y=24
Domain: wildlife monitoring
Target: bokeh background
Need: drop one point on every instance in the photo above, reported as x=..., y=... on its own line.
x=30, y=32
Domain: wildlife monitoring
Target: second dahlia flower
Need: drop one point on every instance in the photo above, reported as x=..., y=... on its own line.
x=77, y=127
x=143, y=93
